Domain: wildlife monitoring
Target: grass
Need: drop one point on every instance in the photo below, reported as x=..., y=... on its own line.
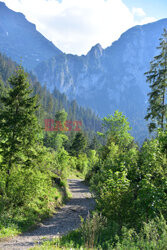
x=14, y=223
x=75, y=174
x=94, y=233
x=16, y=220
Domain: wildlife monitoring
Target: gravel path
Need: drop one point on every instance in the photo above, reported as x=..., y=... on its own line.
x=65, y=220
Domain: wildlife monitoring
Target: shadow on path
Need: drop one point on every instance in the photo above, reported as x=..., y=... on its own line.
x=65, y=220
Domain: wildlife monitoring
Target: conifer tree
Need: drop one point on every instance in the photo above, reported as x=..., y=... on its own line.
x=157, y=78
x=61, y=117
x=19, y=130
x=79, y=144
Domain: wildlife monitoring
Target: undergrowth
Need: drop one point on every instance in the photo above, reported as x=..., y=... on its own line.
x=97, y=233
x=16, y=220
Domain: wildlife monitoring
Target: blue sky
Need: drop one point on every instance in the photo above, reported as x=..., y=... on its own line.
x=74, y=26
x=155, y=8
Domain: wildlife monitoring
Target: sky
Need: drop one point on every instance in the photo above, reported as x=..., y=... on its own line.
x=74, y=26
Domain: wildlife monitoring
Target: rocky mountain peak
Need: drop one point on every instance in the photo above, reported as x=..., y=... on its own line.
x=105, y=79
x=96, y=51
x=20, y=40
x=2, y=5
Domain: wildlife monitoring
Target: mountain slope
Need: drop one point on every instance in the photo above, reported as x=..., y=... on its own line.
x=20, y=40
x=50, y=103
x=117, y=70
x=104, y=79
x=111, y=78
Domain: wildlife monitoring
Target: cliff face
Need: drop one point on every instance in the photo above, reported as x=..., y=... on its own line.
x=104, y=79
x=20, y=40
x=107, y=79
x=111, y=78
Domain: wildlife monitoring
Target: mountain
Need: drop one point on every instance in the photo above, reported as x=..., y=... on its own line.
x=104, y=79
x=111, y=78
x=50, y=103
x=20, y=40
x=116, y=73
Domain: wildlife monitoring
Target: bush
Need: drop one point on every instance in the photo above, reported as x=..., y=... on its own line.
x=30, y=194
x=153, y=235
x=82, y=163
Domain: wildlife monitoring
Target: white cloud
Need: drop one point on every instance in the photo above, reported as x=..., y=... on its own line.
x=146, y=20
x=75, y=26
x=138, y=12
x=140, y=16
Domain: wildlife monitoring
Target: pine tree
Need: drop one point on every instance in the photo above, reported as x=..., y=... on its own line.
x=157, y=78
x=61, y=117
x=79, y=144
x=94, y=143
x=3, y=90
x=19, y=130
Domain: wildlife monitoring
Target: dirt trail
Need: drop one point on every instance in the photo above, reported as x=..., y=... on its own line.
x=65, y=220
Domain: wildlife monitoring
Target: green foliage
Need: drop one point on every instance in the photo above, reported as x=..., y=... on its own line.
x=82, y=163
x=91, y=230
x=157, y=77
x=152, y=181
x=153, y=235
x=117, y=129
x=7, y=67
x=93, y=158
x=130, y=185
x=3, y=91
x=94, y=144
x=96, y=234
x=162, y=137
x=19, y=129
x=31, y=195
x=27, y=169
x=61, y=116
x=89, y=235
x=62, y=162
x=57, y=139
x=114, y=195
x=49, y=103
x=111, y=175
x=79, y=144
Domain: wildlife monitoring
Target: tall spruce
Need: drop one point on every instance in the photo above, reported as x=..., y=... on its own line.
x=79, y=144
x=19, y=130
x=157, y=78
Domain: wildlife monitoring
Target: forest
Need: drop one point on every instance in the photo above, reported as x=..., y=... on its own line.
x=129, y=182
